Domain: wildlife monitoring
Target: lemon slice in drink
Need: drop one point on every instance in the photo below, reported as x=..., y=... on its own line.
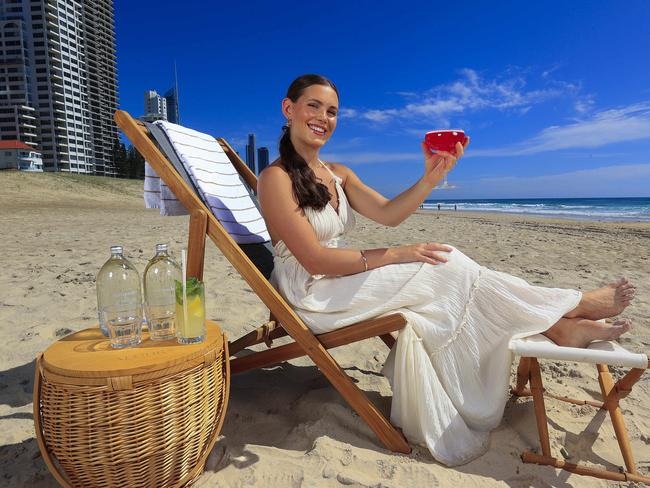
x=194, y=306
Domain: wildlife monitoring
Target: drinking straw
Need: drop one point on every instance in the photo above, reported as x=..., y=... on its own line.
x=184, y=270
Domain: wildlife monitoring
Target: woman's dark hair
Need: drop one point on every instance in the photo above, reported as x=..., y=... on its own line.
x=308, y=191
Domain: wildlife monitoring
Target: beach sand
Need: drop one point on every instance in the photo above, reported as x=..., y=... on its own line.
x=286, y=426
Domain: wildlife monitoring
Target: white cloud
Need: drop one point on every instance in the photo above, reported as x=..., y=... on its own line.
x=584, y=104
x=603, y=128
x=547, y=73
x=372, y=157
x=618, y=125
x=469, y=93
x=378, y=115
x=347, y=113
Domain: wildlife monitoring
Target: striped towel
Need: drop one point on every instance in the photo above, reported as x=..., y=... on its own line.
x=218, y=184
x=157, y=195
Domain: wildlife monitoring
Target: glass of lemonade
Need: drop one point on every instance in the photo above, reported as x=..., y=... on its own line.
x=190, y=329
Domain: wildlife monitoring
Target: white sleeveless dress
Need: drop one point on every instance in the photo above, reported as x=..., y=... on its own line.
x=450, y=368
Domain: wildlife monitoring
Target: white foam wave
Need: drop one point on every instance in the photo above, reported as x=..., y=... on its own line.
x=580, y=212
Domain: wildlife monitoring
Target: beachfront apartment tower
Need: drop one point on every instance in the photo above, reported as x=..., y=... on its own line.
x=58, y=71
x=101, y=73
x=155, y=106
x=250, y=153
x=17, y=113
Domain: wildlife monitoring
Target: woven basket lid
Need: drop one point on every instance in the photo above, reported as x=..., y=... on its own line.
x=86, y=358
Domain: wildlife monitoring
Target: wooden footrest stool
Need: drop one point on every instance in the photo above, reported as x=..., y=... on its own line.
x=142, y=416
x=603, y=354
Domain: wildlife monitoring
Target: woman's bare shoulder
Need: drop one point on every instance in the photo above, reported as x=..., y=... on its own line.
x=274, y=173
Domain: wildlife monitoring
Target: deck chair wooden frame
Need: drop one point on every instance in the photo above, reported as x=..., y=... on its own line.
x=283, y=319
x=528, y=373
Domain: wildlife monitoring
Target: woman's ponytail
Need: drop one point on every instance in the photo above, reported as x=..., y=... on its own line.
x=308, y=191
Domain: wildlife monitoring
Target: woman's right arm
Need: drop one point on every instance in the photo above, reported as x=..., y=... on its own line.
x=287, y=222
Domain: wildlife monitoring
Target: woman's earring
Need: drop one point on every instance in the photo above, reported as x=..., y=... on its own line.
x=288, y=122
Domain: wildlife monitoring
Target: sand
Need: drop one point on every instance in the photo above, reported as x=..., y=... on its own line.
x=286, y=426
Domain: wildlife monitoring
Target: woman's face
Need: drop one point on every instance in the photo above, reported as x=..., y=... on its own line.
x=313, y=116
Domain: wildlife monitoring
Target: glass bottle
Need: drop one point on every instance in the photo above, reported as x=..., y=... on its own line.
x=159, y=280
x=119, y=300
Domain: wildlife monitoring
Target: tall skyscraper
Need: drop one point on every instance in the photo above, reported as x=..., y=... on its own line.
x=171, y=97
x=18, y=116
x=155, y=106
x=262, y=159
x=250, y=153
x=101, y=73
x=57, y=60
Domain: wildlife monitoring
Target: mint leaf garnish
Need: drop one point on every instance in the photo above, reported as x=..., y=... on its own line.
x=193, y=287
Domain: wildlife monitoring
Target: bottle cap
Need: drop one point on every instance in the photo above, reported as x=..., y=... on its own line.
x=116, y=249
x=161, y=247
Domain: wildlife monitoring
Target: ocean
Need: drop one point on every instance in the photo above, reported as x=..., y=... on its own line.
x=610, y=209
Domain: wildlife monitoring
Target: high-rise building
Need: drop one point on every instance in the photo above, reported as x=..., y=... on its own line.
x=99, y=34
x=173, y=113
x=57, y=60
x=18, y=117
x=250, y=153
x=155, y=106
x=262, y=159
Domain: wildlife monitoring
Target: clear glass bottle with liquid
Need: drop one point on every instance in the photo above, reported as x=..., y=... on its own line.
x=159, y=280
x=119, y=300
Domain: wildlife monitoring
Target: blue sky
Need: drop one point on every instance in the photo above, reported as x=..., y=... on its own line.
x=555, y=95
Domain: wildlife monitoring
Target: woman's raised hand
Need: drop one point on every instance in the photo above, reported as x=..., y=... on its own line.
x=438, y=163
x=426, y=252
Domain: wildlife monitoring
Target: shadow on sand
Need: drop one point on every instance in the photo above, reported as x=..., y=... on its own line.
x=17, y=384
x=21, y=465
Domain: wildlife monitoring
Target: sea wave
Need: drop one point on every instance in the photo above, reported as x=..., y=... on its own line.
x=608, y=210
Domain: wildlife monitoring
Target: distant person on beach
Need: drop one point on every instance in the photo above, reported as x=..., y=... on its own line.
x=455, y=207
x=450, y=367
x=438, y=207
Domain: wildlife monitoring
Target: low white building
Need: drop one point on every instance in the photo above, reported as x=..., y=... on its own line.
x=18, y=155
x=155, y=106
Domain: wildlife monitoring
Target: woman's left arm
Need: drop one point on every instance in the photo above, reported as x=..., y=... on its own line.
x=375, y=206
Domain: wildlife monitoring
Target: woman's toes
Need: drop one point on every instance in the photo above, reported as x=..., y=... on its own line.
x=626, y=287
x=621, y=326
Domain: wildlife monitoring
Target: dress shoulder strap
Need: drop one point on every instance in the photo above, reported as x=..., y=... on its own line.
x=336, y=177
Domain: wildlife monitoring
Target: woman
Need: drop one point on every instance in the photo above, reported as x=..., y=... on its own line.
x=450, y=367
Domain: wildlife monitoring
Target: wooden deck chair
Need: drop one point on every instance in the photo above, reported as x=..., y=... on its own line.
x=283, y=319
x=602, y=354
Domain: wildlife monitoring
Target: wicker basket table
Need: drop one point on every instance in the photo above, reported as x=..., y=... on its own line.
x=142, y=416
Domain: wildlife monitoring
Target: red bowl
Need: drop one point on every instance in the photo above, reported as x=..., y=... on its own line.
x=445, y=140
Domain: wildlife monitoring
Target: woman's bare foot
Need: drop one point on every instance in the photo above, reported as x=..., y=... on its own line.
x=604, y=302
x=579, y=332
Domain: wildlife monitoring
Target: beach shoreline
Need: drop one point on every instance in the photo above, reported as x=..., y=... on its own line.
x=490, y=214
x=285, y=426
x=606, y=209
